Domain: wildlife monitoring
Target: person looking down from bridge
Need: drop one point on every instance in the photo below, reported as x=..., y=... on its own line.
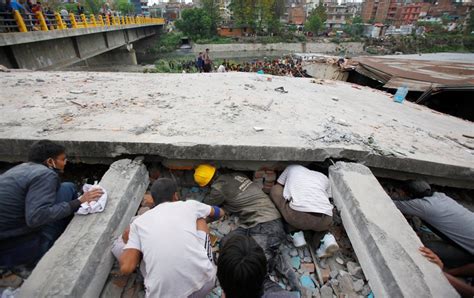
x=446, y=218
x=36, y=206
x=173, y=241
x=258, y=217
x=302, y=197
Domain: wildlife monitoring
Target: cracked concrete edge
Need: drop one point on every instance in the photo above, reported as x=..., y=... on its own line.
x=80, y=261
x=14, y=150
x=385, y=245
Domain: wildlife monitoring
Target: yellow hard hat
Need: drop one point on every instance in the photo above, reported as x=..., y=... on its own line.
x=203, y=174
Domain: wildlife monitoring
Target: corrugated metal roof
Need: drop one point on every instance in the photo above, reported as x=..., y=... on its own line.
x=417, y=75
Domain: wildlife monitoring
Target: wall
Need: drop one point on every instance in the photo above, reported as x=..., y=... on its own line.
x=310, y=47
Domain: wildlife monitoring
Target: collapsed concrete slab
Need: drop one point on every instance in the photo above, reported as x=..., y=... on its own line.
x=229, y=117
x=79, y=262
x=385, y=244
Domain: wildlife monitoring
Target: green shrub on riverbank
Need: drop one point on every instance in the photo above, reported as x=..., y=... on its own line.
x=168, y=42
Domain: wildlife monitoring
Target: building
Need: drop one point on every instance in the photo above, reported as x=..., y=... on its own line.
x=338, y=15
x=410, y=13
x=144, y=7
x=296, y=14
x=375, y=10
x=232, y=31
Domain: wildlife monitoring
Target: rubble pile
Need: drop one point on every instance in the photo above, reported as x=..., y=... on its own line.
x=339, y=275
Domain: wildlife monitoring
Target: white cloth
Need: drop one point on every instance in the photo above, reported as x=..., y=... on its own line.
x=176, y=262
x=221, y=68
x=94, y=206
x=307, y=191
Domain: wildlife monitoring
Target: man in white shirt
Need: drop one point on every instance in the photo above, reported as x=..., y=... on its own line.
x=302, y=197
x=173, y=241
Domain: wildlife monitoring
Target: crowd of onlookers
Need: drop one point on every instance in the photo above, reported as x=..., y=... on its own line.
x=284, y=66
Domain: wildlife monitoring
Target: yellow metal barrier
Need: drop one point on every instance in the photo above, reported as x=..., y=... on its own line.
x=42, y=21
x=19, y=21
x=84, y=21
x=72, y=19
x=101, y=21
x=92, y=19
x=59, y=21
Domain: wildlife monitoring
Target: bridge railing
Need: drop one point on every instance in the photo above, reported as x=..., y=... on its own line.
x=39, y=21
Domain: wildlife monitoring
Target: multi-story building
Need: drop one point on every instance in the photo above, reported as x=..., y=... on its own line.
x=337, y=15
x=144, y=7
x=412, y=12
x=375, y=10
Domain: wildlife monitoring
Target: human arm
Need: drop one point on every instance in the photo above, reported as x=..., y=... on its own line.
x=129, y=260
x=464, y=289
x=40, y=201
x=216, y=213
x=415, y=207
x=132, y=254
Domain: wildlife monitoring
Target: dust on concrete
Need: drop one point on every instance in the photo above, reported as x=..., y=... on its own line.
x=223, y=109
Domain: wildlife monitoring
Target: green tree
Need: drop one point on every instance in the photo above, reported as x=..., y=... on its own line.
x=211, y=7
x=357, y=20
x=314, y=24
x=320, y=11
x=196, y=23
x=124, y=7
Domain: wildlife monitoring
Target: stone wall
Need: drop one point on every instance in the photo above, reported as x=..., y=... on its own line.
x=310, y=47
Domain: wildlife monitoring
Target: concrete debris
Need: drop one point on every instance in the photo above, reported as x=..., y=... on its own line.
x=358, y=285
x=76, y=91
x=326, y=292
x=257, y=128
x=355, y=269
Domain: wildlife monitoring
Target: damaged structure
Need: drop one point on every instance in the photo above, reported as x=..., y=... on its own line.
x=443, y=81
x=244, y=122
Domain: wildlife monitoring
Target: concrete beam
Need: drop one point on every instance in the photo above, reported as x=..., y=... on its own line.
x=36, y=36
x=386, y=246
x=80, y=261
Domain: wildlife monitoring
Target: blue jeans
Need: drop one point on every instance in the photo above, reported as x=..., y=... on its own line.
x=28, y=249
x=50, y=232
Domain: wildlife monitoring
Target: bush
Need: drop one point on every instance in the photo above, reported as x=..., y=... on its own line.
x=168, y=42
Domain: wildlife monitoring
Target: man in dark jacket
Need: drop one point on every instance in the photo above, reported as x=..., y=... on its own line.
x=35, y=207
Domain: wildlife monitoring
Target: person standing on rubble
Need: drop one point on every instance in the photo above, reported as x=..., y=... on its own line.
x=173, y=241
x=446, y=218
x=258, y=217
x=302, y=197
x=36, y=207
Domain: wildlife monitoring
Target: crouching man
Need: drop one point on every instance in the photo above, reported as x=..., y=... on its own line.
x=36, y=207
x=302, y=197
x=173, y=241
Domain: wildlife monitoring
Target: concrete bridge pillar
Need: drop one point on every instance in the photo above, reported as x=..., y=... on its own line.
x=124, y=55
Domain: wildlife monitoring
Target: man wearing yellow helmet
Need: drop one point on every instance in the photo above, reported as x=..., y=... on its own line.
x=258, y=216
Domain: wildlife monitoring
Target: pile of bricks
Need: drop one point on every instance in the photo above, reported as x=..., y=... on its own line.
x=266, y=178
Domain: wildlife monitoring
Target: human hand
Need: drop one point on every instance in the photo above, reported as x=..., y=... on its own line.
x=431, y=256
x=91, y=195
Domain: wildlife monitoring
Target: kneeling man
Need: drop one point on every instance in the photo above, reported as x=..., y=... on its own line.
x=173, y=240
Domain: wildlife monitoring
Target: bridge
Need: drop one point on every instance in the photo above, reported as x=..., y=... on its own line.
x=45, y=42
